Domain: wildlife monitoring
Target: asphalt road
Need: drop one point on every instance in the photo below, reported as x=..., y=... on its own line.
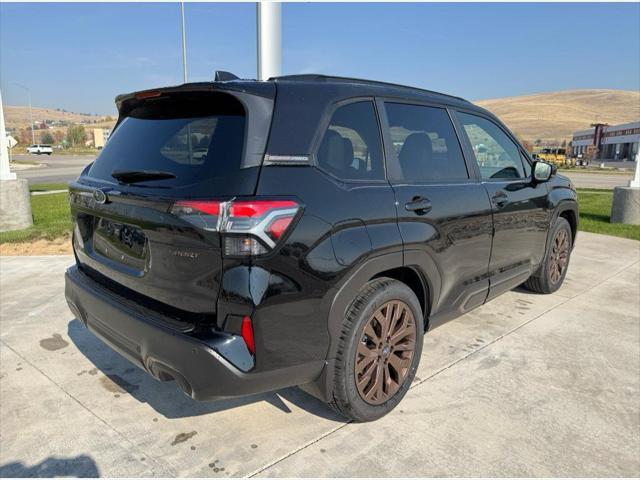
x=53, y=168
x=64, y=168
x=526, y=386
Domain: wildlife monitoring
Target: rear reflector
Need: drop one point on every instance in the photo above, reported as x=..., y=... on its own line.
x=247, y=334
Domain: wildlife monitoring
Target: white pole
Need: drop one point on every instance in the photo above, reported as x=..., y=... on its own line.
x=184, y=44
x=269, y=38
x=635, y=183
x=5, y=171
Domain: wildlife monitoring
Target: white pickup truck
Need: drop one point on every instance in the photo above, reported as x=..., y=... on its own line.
x=40, y=149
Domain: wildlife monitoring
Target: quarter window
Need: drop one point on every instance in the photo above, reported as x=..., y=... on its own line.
x=425, y=143
x=351, y=146
x=497, y=155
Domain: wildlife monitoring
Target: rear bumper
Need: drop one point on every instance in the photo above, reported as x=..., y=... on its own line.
x=204, y=368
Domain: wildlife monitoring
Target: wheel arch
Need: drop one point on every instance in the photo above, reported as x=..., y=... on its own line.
x=388, y=265
x=572, y=217
x=567, y=209
x=413, y=279
x=397, y=265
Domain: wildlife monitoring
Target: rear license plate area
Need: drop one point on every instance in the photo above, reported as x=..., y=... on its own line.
x=120, y=242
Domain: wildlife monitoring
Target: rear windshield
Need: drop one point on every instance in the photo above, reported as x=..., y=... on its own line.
x=197, y=138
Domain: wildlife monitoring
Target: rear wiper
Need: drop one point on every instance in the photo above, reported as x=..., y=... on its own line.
x=135, y=176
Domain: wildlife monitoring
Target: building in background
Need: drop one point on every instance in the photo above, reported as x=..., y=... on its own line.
x=100, y=136
x=615, y=143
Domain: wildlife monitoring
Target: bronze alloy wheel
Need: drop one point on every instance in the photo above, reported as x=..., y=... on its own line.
x=559, y=256
x=385, y=352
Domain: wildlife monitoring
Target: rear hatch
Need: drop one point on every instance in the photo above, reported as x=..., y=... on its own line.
x=169, y=147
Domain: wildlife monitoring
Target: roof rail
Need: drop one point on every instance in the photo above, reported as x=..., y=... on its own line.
x=333, y=78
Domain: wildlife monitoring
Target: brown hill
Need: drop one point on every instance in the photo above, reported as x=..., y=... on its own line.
x=554, y=116
x=17, y=117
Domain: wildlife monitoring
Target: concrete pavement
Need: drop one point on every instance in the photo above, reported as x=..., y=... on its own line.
x=527, y=385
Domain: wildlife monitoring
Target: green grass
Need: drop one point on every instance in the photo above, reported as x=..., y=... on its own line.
x=595, y=211
x=45, y=187
x=51, y=220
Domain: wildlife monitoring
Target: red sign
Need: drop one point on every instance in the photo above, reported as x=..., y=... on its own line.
x=597, y=135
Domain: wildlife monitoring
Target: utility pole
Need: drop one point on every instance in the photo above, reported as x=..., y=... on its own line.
x=184, y=44
x=269, y=39
x=33, y=135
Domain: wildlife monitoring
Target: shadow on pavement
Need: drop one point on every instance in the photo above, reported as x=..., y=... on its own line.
x=166, y=398
x=80, y=466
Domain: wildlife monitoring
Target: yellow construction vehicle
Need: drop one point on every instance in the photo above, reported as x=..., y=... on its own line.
x=557, y=156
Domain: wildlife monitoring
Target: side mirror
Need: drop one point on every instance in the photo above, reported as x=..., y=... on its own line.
x=542, y=171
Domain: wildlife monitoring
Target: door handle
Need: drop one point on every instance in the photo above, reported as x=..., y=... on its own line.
x=420, y=205
x=500, y=198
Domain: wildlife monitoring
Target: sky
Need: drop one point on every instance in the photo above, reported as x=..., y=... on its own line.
x=79, y=56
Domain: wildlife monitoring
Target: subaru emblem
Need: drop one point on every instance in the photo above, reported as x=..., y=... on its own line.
x=99, y=196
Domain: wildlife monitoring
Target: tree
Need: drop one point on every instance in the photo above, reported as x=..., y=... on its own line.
x=58, y=136
x=24, y=137
x=76, y=135
x=47, y=138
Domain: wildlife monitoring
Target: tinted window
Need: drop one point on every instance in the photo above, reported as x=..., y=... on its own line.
x=526, y=165
x=497, y=155
x=351, y=147
x=196, y=142
x=425, y=143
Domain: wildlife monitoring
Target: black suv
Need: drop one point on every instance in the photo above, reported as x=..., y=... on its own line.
x=242, y=236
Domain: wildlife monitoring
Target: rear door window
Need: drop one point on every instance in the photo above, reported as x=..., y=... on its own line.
x=351, y=148
x=425, y=143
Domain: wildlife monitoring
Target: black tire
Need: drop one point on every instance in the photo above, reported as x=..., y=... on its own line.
x=543, y=280
x=347, y=399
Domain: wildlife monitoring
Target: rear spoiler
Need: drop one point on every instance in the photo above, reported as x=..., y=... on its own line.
x=128, y=101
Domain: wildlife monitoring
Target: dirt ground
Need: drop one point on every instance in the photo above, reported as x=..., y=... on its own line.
x=59, y=246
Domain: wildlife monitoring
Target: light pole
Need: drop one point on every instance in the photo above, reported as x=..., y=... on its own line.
x=33, y=135
x=269, y=39
x=184, y=44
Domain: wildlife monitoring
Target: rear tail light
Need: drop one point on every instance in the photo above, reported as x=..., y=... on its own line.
x=249, y=227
